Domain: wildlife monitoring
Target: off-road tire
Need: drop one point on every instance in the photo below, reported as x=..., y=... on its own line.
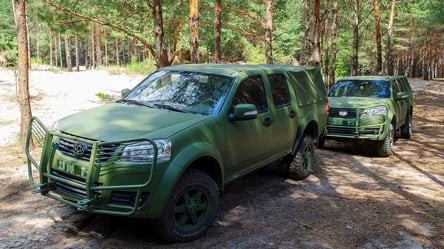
x=191, y=209
x=321, y=142
x=300, y=167
x=406, y=129
x=385, y=147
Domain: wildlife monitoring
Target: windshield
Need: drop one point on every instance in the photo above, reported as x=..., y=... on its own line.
x=190, y=92
x=361, y=88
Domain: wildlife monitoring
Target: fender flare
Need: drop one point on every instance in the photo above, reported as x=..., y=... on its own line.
x=181, y=162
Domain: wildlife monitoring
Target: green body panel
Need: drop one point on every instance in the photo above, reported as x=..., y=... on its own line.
x=104, y=181
x=374, y=127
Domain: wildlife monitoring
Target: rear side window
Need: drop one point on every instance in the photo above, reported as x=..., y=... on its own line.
x=279, y=89
x=251, y=91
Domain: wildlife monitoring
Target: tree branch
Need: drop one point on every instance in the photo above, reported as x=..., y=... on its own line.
x=244, y=13
x=103, y=22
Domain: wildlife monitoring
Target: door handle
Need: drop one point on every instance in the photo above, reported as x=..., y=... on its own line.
x=292, y=114
x=267, y=122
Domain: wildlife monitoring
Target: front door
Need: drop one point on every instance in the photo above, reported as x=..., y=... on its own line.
x=249, y=141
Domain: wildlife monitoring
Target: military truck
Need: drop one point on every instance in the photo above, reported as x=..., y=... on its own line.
x=167, y=148
x=370, y=108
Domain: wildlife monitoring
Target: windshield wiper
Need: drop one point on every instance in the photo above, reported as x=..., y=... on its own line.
x=134, y=102
x=168, y=107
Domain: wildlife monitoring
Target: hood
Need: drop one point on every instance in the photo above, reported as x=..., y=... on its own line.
x=116, y=121
x=356, y=102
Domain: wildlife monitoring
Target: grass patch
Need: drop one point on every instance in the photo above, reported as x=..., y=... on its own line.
x=105, y=97
x=6, y=122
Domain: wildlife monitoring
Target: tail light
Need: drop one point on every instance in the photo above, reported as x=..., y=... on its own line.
x=327, y=108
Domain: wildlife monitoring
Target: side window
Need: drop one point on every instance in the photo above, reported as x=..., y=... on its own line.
x=279, y=89
x=251, y=91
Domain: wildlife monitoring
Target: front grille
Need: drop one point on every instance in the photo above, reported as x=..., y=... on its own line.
x=79, y=193
x=335, y=112
x=66, y=146
x=106, y=152
x=341, y=130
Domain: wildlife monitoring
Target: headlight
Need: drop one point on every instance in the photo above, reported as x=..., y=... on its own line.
x=378, y=110
x=144, y=151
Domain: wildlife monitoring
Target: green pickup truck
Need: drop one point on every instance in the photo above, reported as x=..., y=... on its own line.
x=370, y=108
x=165, y=150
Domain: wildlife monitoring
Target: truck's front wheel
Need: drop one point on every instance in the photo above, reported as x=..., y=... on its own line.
x=300, y=167
x=191, y=208
x=385, y=147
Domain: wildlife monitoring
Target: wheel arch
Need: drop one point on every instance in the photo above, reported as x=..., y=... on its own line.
x=201, y=156
x=311, y=128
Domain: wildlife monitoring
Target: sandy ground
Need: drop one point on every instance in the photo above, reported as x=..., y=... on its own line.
x=353, y=199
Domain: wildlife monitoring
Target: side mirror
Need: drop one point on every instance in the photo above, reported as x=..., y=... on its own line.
x=401, y=95
x=243, y=112
x=124, y=92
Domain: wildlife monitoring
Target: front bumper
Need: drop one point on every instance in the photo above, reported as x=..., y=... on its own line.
x=96, y=181
x=355, y=126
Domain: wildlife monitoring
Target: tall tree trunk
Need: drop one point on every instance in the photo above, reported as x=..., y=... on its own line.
x=98, y=42
x=194, y=29
x=37, y=38
x=388, y=48
x=325, y=42
x=60, y=52
x=68, y=53
x=378, y=67
x=117, y=51
x=412, y=50
x=106, y=49
x=161, y=54
x=306, y=32
x=316, y=25
x=23, y=63
x=334, y=19
x=217, y=26
x=355, y=62
x=77, y=50
x=135, y=50
x=425, y=61
x=122, y=48
x=269, y=31
x=50, y=48
x=28, y=38
x=129, y=51
x=86, y=53
x=93, y=51
x=55, y=50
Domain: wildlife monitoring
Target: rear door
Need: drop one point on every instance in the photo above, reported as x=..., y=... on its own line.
x=285, y=118
x=401, y=105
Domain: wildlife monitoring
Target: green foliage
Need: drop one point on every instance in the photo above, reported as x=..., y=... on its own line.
x=105, y=97
x=143, y=67
x=255, y=54
x=242, y=33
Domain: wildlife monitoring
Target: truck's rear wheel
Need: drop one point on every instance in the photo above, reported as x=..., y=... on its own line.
x=406, y=129
x=191, y=209
x=300, y=167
